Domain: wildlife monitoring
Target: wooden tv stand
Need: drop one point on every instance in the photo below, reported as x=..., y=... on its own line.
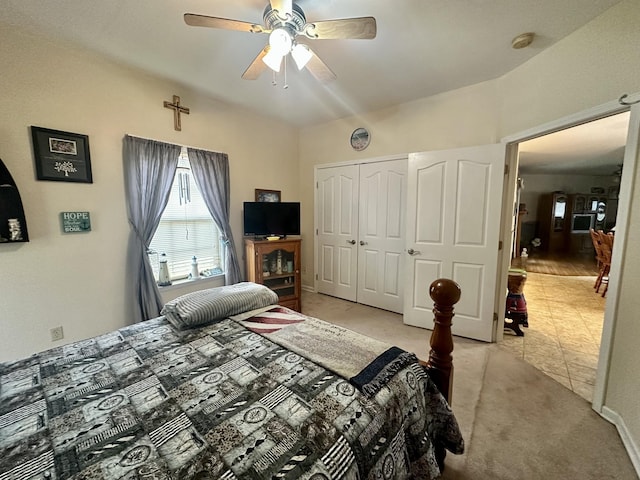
x=276, y=264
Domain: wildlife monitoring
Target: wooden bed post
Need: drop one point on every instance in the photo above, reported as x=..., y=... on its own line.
x=445, y=294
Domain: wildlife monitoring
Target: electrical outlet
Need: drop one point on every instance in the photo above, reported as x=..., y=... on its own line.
x=56, y=334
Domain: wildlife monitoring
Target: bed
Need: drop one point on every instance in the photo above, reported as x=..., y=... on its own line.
x=228, y=385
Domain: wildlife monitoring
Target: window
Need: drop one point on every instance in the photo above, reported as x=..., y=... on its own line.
x=186, y=229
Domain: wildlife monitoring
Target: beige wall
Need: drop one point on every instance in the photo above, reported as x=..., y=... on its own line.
x=623, y=388
x=593, y=66
x=77, y=280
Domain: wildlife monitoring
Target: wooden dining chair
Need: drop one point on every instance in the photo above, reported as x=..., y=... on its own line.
x=606, y=247
x=595, y=239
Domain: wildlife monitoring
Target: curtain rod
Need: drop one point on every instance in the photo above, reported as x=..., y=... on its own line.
x=170, y=143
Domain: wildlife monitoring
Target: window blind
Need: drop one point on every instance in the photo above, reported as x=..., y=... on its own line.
x=186, y=229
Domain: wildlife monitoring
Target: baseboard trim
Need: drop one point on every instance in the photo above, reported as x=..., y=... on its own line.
x=629, y=444
x=308, y=288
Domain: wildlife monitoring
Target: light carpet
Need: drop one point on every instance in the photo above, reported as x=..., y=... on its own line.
x=517, y=422
x=528, y=426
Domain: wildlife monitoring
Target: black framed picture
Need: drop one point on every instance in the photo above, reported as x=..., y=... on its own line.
x=61, y=156
x=267, y=195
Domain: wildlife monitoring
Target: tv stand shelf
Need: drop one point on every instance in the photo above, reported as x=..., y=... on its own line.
x=276, y=264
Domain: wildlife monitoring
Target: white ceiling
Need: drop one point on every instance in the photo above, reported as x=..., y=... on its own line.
x=595, y=148
x=423, y=47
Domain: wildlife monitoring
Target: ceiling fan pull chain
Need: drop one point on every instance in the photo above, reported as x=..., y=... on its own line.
x=273, y=78
x=286, y=85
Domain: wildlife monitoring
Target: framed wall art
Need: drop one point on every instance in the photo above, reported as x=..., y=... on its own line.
x=61, y=156
x=267, y=195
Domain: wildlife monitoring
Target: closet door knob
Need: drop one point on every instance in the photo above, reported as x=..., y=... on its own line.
x=362, y=243
x=411, y=251
x=352, y=242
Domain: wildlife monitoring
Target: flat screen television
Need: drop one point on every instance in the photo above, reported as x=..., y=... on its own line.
x=261, y=219
x=582, y=222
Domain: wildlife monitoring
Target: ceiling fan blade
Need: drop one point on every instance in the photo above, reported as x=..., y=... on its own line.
x=256, y=68
x=319, y=69
x=284, y=7
x=360, y=27
x=196, y=20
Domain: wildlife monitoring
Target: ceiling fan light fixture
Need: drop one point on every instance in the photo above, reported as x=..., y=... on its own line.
x=284, y=21
x=280, y=41
x=273, y=60
x=301, y=55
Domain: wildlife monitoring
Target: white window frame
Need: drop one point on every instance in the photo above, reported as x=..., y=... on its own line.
x=184, y=196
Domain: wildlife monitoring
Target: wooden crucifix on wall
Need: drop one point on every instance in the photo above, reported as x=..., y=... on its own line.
x=177, y=110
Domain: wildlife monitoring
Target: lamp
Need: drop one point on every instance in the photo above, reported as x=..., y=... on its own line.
x=279, y=45
x=301, y=55
x=273, y=60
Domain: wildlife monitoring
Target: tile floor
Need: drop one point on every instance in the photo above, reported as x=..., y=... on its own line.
x=565, y=326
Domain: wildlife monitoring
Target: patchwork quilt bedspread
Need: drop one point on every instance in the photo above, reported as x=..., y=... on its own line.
x=236, y=399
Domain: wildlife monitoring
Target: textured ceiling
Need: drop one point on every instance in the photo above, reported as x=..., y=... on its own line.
x=594, y=148
x=423, y=47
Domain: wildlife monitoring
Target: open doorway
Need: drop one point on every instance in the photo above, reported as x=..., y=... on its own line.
x=568, y=182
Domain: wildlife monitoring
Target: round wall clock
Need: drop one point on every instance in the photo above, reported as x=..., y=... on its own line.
x=360, y=139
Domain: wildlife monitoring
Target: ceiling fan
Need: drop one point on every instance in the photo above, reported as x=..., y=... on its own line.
x=284, y=21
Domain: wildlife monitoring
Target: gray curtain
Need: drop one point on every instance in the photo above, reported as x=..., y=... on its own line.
x=211, y=174
x=149, y=168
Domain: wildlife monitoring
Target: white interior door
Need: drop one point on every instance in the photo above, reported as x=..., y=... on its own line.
x=453, y=228
x=337, y=224
x=381, y=229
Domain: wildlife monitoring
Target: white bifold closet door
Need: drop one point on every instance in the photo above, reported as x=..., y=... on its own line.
x=361, y=229
x=337, y=231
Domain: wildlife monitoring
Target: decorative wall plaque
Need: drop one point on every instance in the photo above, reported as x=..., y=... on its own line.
x=75, y=222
